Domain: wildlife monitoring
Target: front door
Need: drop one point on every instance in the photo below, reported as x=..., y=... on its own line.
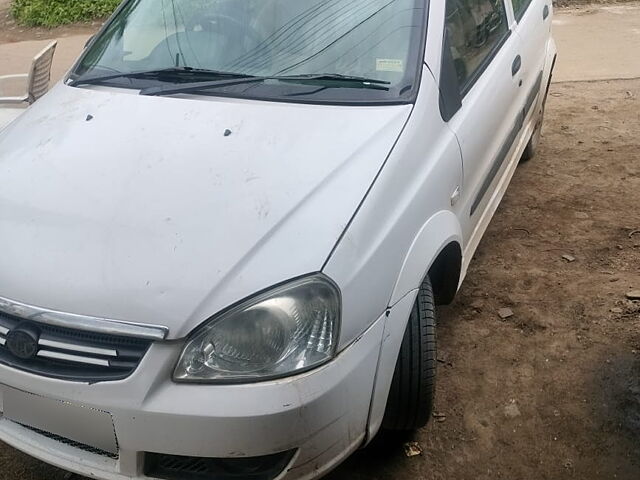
x=485, y=59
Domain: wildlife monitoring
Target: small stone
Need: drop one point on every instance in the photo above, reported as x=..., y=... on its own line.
x=581, y=215
x=569, y=258
x=505, y=313
x=439, y=417
x=512, y=410
x=633, y=295
x=476, y=305
x=412, y=449
x=616, y=310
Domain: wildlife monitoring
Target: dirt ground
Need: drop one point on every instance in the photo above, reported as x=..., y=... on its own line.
x=554, y=391
x=581, y=3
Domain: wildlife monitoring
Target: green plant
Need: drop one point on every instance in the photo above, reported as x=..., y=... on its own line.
x=50, y=13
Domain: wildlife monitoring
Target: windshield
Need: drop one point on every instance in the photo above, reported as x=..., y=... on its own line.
x=363, y=39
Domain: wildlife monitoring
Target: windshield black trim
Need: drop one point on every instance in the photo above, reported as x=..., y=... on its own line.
x=404, y=98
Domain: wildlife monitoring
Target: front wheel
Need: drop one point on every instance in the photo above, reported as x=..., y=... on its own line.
x=412, y=391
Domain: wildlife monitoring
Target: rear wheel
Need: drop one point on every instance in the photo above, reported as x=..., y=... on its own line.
x=412, y=391
x=532, y=147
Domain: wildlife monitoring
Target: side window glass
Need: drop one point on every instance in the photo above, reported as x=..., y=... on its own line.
x=519, y=7
x=475, y=30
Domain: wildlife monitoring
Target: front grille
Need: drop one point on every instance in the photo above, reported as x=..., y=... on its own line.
x=70, y=354
x=71, y=443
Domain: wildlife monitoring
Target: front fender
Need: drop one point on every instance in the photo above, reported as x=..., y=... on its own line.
x=439, y=231
x=394, y=327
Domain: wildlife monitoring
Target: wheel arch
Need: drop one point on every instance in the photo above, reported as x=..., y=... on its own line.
x=445, y=273
x=436, y=252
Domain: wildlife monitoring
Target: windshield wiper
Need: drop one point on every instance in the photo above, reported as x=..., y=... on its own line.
x=178, y=71
x=345, y=81
x=334, y=76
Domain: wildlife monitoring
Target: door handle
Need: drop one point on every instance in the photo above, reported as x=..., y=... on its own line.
x=515, y=67
x=545, y=12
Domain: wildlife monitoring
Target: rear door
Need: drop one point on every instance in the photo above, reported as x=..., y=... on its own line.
x=533, y=26
x=480, y=98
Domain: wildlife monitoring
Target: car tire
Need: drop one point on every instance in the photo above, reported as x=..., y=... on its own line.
x=410, y=400
x=532, y=147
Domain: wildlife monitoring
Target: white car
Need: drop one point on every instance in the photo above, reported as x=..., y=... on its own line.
x=224, y=233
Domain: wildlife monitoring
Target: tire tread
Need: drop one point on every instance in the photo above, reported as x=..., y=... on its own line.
x=410, y=400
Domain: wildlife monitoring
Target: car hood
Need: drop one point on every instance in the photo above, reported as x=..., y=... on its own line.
x=166, y=210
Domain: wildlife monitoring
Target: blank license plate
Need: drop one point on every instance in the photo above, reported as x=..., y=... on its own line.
x=85, y=425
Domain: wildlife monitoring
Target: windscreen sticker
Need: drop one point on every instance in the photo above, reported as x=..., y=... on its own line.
x=389, y=65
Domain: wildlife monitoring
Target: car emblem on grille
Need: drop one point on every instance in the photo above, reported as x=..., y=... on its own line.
x=22, y=342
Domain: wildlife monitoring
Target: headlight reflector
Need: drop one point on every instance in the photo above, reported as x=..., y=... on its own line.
x=284, y=331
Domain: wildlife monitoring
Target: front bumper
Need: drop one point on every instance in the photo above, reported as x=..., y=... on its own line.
x=322, y=415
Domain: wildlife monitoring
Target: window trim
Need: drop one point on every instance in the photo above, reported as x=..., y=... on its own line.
x=450, y=100
x=520, y=16
x=473, y=79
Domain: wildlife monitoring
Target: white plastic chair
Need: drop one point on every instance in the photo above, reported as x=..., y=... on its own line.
x=37, y=79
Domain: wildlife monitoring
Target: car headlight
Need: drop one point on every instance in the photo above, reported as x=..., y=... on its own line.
x=287, y=330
